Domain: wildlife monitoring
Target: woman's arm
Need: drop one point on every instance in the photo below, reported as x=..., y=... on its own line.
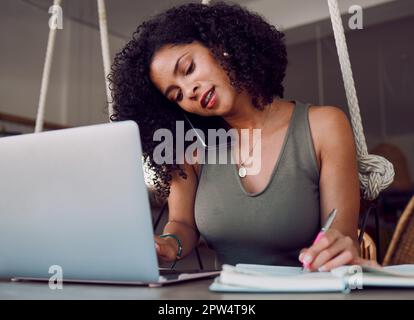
x=181, y=221
x=339, y=188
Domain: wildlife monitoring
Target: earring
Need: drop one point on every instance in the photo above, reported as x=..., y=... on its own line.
x=225, y=54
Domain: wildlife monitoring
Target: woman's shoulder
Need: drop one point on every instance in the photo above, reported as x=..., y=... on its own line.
x=330, y=128
x=325, y=114
x=328, y=119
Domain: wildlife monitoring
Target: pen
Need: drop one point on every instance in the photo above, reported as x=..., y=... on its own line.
x=325, y=228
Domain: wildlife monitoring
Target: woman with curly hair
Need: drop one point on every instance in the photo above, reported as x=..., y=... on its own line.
x=223, y=62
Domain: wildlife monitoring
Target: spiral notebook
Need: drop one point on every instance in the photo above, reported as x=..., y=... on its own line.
x=266, y=278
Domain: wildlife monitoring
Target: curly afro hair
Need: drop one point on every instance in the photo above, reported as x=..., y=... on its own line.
x=256, y=63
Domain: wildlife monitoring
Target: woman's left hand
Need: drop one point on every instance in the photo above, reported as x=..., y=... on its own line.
x=332, y=250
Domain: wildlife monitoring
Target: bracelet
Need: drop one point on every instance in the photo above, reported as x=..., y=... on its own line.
x=180, y=247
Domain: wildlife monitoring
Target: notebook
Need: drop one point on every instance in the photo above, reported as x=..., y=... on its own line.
x=267, y=278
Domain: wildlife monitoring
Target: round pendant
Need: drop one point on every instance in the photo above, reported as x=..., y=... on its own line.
x=242, y=172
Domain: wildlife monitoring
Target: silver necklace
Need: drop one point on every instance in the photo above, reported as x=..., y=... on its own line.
x=242, y=168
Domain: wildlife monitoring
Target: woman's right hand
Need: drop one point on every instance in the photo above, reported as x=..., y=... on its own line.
x=166, y=248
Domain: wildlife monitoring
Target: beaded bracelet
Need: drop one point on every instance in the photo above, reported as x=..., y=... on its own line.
x=180, y=247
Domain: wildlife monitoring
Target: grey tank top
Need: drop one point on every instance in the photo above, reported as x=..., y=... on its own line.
x=272, y=226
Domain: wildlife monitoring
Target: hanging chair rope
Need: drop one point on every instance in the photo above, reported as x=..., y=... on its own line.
x=106, y=56
x=45, y=76
x=375, y=172
x=103, y=28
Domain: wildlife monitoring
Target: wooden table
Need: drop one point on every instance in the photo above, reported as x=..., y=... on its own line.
x=195, y=290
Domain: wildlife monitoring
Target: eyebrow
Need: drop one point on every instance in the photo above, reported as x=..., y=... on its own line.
x=167, y=91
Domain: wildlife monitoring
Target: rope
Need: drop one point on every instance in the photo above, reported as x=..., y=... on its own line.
x=103, y=29
x=45, y=76
x=375, y=172
x=49, y=57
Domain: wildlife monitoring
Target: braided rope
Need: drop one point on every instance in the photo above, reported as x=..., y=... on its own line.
x=46, y=76
x=375, y=172
x=106, y=56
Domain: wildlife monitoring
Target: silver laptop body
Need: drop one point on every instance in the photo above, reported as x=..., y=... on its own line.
x=76, y=199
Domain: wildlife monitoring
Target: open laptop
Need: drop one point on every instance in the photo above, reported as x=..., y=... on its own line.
x=76, y=199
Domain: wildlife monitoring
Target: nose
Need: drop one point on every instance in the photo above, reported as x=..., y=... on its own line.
x=191, y=91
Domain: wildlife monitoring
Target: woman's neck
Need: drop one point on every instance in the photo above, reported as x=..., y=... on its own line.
x=246, y=116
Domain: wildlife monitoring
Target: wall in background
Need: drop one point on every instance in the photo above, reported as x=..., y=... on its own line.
x=76, y=93
x=293, y=13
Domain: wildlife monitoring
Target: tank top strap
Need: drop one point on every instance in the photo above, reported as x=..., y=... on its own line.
x=301, y=143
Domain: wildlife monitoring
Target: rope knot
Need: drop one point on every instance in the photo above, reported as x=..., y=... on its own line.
x=375, y=174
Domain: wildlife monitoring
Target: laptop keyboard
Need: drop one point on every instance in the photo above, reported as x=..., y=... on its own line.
x=164, y=272
x=171, y=274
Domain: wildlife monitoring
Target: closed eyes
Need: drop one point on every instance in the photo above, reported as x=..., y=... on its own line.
x=190, y=69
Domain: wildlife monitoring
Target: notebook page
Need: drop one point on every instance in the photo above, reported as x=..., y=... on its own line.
x=403, y=270
x=368, y=276
x=243, y=278
x=269, y=269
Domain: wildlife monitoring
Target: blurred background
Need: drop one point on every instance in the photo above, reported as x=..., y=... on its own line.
x=382, y=57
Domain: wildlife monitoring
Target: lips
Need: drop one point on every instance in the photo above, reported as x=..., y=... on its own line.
x=205, y=98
